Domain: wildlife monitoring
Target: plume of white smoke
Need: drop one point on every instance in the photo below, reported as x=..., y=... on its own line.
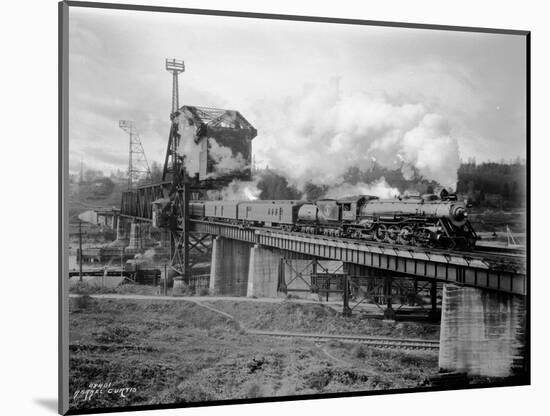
x=187, y=146
x=432, y=151
x=379, y=188
x=241, y=191
x=224, y=160
x=317, y=135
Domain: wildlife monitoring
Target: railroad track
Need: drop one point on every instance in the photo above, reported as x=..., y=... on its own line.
x=377, y=342
x=508, y=251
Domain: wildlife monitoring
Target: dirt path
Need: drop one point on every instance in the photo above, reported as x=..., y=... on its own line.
x=337, y=306
x=329, y=355
x=196, y=302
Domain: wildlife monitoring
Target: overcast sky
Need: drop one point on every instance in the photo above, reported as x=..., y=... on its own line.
x=475, y=82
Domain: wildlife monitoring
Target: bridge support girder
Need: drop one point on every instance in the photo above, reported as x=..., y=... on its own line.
x=389, y=312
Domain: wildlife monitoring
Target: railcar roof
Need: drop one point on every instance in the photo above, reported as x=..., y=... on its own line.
x=275, y=201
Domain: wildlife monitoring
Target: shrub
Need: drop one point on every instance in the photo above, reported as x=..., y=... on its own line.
x=358, y=351
x=189, y=392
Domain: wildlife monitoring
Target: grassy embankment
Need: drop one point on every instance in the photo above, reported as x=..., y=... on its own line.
x=177, y=352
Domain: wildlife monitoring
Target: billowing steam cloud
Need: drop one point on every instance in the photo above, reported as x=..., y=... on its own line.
x=188, y=147
x=241, y=191
x=379, y=188
x=318, y=135
x=224, y=160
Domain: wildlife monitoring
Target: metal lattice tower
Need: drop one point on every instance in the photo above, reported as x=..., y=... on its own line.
x=138, y=167
x=175, y=66
x=173, y=163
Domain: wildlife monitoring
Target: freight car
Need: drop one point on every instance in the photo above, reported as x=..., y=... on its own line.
x=429, y=221
x=280, y=214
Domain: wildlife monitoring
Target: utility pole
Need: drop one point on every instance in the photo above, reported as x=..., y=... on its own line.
x=165, y=278
x=80, y=248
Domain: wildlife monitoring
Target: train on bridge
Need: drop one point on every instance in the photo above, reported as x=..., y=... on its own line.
x=431, y=220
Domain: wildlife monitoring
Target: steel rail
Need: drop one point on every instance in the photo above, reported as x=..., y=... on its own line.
x=376, y=342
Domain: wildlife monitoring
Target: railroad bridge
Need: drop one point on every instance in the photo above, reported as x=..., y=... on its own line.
x=483, y=316
x=483, y=293
x=495, y=272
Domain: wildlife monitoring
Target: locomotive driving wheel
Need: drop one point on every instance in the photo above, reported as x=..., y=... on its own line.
x=393, y=233
x=406, y=235
x=380, y=232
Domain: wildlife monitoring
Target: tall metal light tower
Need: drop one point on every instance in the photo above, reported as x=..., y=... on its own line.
x=138, y=168
x=175, y=171
x=175, y=66
x=173, y=163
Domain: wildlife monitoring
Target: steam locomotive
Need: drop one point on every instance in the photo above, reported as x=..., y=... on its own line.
x=431, y=220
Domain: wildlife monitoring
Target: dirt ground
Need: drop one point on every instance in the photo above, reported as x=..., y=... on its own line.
x=137, y=352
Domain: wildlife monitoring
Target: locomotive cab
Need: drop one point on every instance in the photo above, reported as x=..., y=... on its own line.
x=350, y=206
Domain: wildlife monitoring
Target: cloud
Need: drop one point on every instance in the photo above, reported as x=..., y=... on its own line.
x=117, y=72
x=318, y=134
x=241, y=191
x=225, y=161
x=379, y=188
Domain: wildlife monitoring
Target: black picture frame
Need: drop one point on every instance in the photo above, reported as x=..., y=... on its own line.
x=63, y=120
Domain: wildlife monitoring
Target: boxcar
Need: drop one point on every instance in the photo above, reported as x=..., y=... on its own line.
x=269, y=212
x=196, y=209
x=221, y=209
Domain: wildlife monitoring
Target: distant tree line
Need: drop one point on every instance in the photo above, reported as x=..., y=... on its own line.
x=493, y=185
x=486, y=185
x=274, y=185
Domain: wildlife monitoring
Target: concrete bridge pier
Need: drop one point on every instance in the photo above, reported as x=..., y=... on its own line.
x=140, y=238
x=229, y=267
x=122, y=234
x=482, y=332
x=264, y=269
x=241, y=269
